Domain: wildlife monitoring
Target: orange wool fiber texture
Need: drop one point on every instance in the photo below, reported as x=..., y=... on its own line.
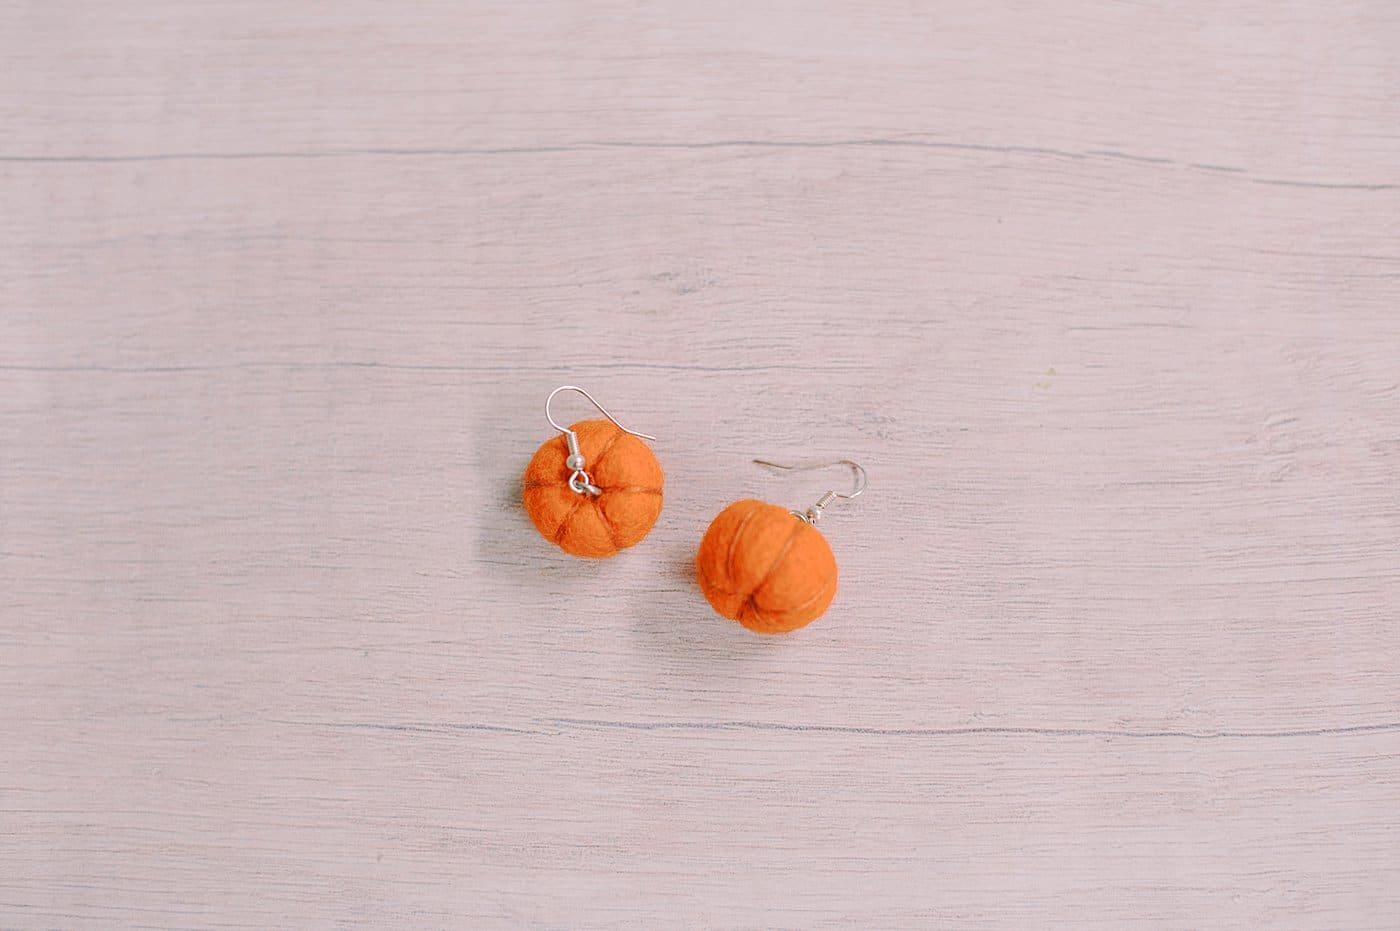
x=766, y=568
x=587, y=525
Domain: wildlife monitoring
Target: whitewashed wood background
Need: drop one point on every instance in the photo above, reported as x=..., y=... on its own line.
x=1106, y=297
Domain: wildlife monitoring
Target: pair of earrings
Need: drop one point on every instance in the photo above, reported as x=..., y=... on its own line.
x=597, y=489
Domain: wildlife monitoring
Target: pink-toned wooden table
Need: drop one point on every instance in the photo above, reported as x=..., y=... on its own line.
x=1105, y=297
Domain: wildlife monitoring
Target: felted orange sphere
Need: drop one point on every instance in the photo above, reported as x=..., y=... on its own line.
x=587, y=525
x=766, y=568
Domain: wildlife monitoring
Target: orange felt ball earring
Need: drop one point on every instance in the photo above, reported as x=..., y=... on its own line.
x=767, y=567
x=595, y=489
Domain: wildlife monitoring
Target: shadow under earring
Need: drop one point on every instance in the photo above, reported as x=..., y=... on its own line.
x=767, y=567
x=595, y=489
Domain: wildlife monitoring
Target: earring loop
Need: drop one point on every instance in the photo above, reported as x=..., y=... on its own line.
x=814, y=513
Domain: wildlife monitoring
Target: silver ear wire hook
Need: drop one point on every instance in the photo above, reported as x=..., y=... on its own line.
x=814, y=513
x=581, y=482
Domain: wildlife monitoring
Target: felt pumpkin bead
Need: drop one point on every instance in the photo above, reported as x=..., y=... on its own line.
x=626, y=475
x=763, y=566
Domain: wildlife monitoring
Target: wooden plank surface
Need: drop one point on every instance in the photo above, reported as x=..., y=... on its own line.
x=1105, y=298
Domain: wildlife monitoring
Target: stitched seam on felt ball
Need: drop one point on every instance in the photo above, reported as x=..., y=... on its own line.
x=817, y=597
x=702, y=578
x=753, y=612
x=777, y=562
x=607, y=447
x=734, y=540
x=603, y=514
x=564, y=524
x=707, y=585
x=612, y=527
